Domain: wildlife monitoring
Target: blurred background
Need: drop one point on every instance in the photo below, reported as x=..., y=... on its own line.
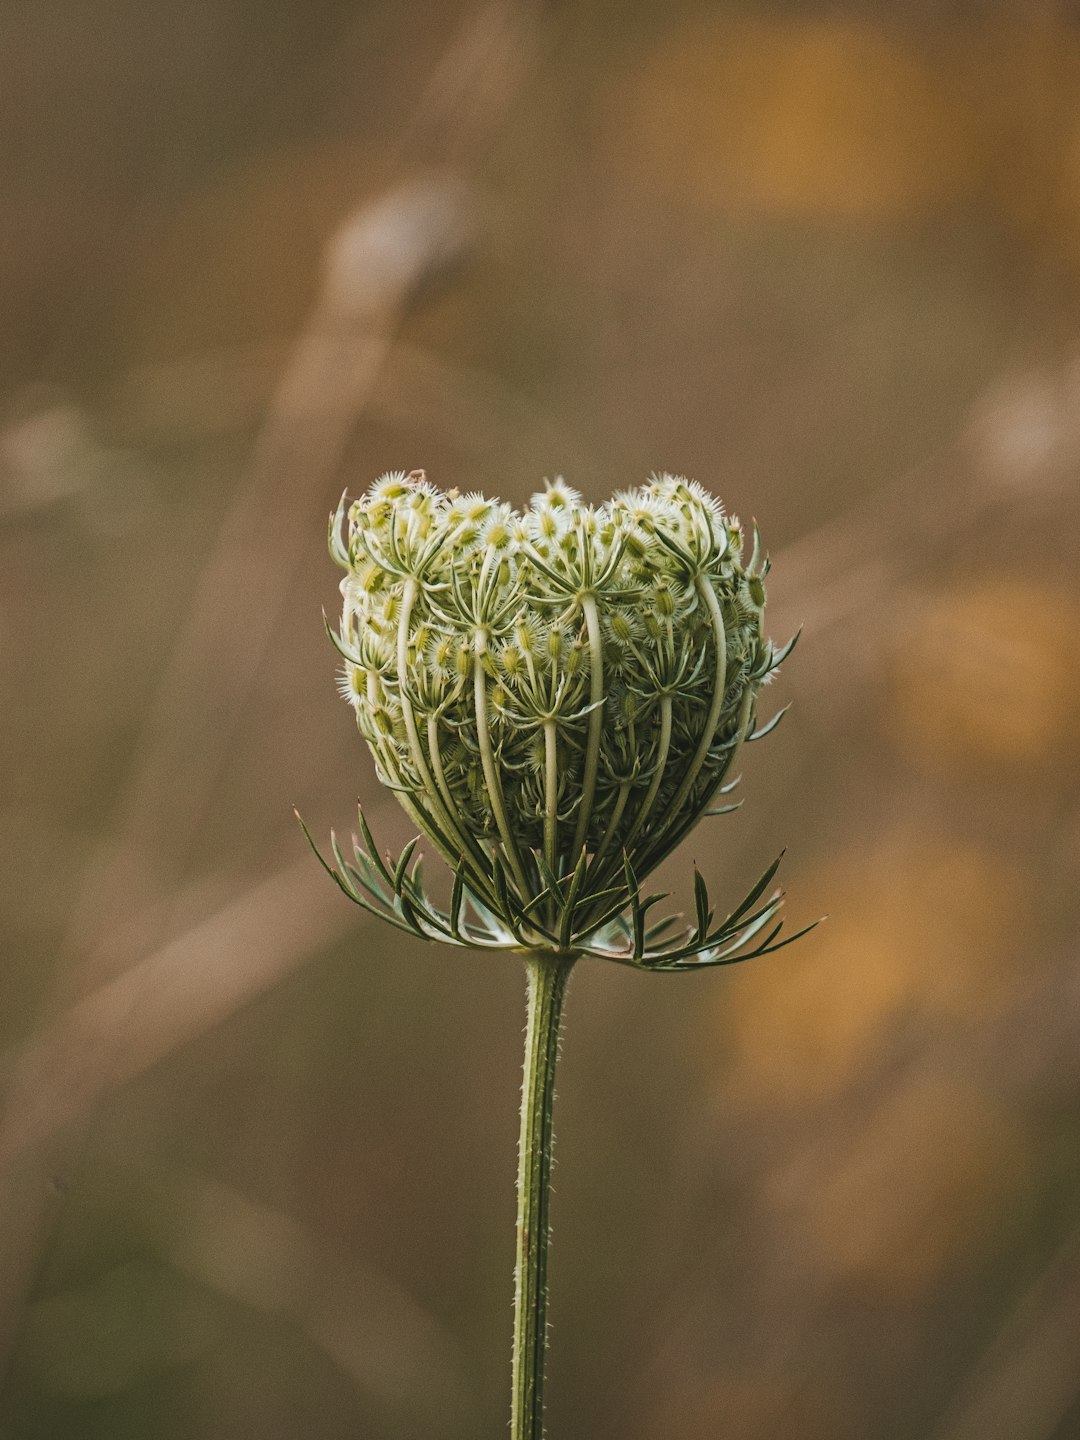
x=257, y=1156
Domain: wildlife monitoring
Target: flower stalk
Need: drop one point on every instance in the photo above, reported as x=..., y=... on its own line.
x=547, y=975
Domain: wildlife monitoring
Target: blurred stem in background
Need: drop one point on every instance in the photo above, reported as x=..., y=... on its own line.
x=547, y=975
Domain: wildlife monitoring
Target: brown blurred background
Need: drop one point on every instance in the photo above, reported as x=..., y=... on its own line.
x=257, y=1156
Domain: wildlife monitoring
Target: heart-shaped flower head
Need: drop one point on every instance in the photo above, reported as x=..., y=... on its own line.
x=556, y=697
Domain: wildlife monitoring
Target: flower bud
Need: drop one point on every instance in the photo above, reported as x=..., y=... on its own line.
x=589, y=673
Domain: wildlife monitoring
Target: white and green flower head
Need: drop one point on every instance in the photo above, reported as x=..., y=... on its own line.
x=556, y=697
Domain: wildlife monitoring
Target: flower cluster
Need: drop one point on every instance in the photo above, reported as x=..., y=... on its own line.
x=555, y=696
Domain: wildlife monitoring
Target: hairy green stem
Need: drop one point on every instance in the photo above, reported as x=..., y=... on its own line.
x=547, y=974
